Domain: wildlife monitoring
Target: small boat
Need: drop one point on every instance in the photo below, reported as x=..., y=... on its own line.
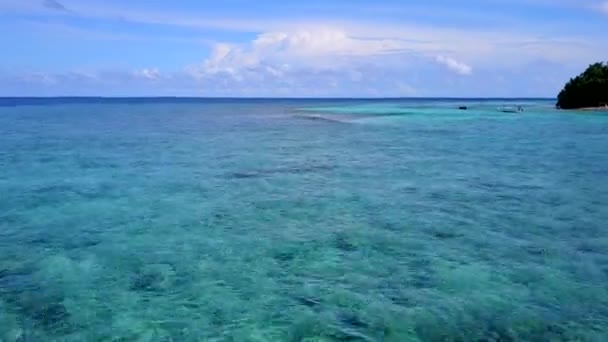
x=517, y=109
x=463, y=108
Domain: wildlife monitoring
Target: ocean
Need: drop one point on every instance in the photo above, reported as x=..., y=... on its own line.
x=302, y=220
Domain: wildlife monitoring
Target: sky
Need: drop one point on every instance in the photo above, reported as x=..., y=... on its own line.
x=298, y=48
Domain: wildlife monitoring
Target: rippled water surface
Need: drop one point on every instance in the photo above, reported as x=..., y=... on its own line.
x=301, y=220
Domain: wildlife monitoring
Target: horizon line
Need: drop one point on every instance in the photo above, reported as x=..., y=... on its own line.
x=280, y=98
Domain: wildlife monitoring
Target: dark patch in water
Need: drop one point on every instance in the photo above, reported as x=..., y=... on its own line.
x=444, y=234
x=420, y=263
x=529, y=331
x=10, y=282
x=434, y=131
x=284, y=256
x=54, y=189
x=244, y=175
x=343, y=243
x=589, y=247
x=422, y=275
x=393, y=227
x=316, y=117
x=81, y=242
x=493, y=329
x=219, y=216
x=281, y=170
x=351, y=319
x=10, y=219
x=16, y=281
x=41, y=309
x=51, y=316
x=526, y=276
x=499, y=334
x=438, y=195
x=345, y=336
x=308, y=301
x=536, y=251
x=192, y=306
x=401, y=300
x=218, y=318
x=306, y=169
x=390, y=226
x=154, y=278
x=394, y=290
x=421, y=280
x=409, y=190
x=147, y=282
x=40, y=240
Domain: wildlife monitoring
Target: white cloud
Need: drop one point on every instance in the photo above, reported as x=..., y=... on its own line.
x=322, y=61
x=512, y=45
x=147, y=74
x=328, y=46
x=313, y=42
x=329, y=57
x=277, y=53
x=227, y=58
x=319, y=57
x=454, y=65
x=361, y=80
x=305, y=46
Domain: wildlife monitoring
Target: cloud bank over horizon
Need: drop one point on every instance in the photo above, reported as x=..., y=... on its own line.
x=388, y=49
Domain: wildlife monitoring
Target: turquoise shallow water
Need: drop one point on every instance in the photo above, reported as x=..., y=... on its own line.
x=301, y=220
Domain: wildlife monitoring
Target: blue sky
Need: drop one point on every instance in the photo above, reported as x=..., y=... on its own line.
x=298, y=48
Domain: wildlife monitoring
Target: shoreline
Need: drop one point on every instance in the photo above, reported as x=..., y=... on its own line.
x=588, y=109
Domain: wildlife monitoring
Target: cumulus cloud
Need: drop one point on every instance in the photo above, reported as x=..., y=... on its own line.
x=454, y=65
x=322, y=61
x=315, y=49
x=339, y=57
x=300, y=46
x=323, y=42
x=349, y=48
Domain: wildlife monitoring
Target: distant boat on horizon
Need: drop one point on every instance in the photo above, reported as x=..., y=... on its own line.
x=517, y=109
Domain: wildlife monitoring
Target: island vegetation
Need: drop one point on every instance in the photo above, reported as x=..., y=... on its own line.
x=587, y=90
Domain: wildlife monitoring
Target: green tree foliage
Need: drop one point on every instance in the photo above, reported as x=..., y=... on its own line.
x=589, y=89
